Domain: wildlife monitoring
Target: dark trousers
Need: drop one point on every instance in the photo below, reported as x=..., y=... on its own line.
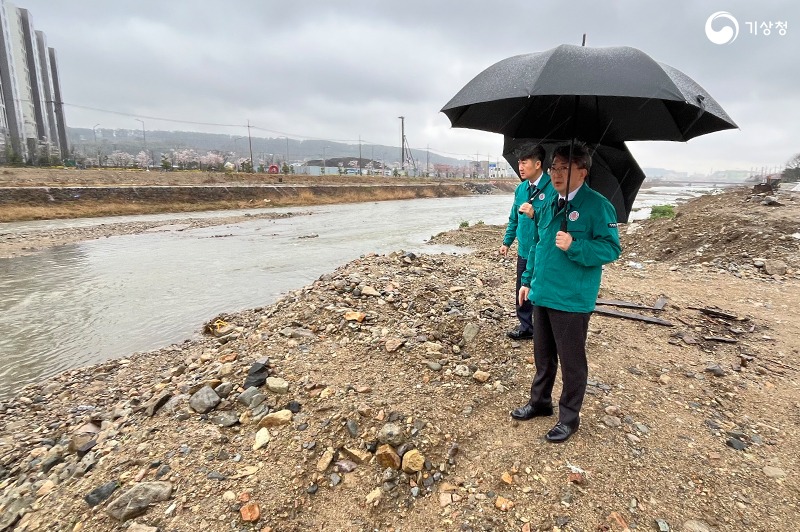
x=524, y=311
x=559, y=335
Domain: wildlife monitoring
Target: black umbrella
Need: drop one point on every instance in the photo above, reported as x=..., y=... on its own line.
x=614, y=172
x=616, y=94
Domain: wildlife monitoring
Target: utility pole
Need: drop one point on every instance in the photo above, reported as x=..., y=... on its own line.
x=427, y=161
x=402, y=142
x=359, y=155
x=372, y=160
x=287, y=151
x=323, y=159
x=144, y=141
x=96, y=147
x=250, y=141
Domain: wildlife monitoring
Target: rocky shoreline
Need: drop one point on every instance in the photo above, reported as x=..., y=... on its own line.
x=378, y=396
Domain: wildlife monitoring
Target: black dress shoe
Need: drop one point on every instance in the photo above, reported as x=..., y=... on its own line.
x=529, y=411
x=560, y=433
x=516, y=334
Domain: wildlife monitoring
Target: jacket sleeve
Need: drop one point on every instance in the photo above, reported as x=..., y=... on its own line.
x=511, y=230
x=527, y=275
x=604, y=247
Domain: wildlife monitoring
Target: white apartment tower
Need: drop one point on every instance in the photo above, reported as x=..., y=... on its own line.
x=32, y=127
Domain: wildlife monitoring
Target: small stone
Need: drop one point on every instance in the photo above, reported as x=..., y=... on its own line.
x=387, y=457
x=481, y=376
x=611, y=421
x=393, y=344
x=470, y=332
x=503, y=504
x=101, y=493
x=276, y=419
x=352, y=315
x=325, y=460
x=462, y=371
x=734, y=443
x=262, y=438
x=370, y=291
x=664, y=379
x=205, y=400
x=413, y=461
x=507, y=478
x=227, y=418
x=392, y=434
x=277, y=385
x=434, y=366
x=352, y=428
x=357, y=455
x=250, y=512
x=662, y=525
x=374, y=495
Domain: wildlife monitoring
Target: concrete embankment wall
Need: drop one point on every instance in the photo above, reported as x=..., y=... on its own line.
x=40, y=196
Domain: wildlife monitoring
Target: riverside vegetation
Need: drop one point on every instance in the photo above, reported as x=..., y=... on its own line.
x=377, y=398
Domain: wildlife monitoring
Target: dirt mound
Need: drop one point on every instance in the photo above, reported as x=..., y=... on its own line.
x=736, y=230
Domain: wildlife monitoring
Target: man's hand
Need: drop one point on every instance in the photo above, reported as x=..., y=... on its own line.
x=563, y=240
x=527, y=210
x=523, y=294
x=504, y=250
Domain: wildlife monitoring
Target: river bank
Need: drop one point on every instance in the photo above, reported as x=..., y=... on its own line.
x=691, y=427
x=40, y=194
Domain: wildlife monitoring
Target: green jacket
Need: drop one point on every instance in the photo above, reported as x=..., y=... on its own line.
x=519, y=225
x=570, y=280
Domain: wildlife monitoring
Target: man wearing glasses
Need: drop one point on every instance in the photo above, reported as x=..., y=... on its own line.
x=574, y=236
x=528, y=196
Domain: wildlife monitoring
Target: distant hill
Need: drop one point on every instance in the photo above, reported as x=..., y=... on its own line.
x=264, y=148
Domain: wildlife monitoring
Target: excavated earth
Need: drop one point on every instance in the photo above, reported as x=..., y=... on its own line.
x=388, y=387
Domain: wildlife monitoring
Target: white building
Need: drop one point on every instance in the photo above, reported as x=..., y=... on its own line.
x=32, y=126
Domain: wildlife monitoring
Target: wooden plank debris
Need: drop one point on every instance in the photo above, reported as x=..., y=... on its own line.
x=720, y=339
x=659, y=305
x=606, y=311
x=717, y=313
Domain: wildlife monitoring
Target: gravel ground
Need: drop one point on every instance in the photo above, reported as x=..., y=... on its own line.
x=687, y=427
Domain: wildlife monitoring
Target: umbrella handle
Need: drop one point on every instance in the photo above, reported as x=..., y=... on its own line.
x=564, y=225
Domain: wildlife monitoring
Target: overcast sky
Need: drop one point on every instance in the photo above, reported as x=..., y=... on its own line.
x=342, y=69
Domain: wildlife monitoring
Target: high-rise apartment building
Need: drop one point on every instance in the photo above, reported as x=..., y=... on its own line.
x=32, y=124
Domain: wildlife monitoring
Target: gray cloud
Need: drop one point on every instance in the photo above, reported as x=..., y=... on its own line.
x=337, y=70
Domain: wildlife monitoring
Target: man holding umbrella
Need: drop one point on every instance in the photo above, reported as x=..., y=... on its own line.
x=528, y=196
x=574, y=236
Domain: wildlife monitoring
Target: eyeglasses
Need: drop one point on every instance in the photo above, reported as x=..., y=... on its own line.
x=560, y=169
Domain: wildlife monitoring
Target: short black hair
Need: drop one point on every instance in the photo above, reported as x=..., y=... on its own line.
x=580, y=154
x=531, y=151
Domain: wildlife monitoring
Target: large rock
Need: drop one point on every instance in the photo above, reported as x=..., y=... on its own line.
x=775, y=267
x=413, y=461
x=136, y=500
x=276, y=419
x=205, y=400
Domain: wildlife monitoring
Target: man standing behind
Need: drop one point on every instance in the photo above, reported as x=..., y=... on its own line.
x=528, y=197
x=566, y=280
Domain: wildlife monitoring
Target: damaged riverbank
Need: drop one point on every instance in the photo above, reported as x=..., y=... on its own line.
x=383, y=392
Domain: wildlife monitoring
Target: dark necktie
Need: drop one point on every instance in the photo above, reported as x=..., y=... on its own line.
x=561, y=203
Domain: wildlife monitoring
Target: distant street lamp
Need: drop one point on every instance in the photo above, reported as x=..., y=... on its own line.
x=323, y=159
x=96, y=146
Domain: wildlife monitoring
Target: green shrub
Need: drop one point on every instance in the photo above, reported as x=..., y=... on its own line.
x=463, y=224
x=479, y=222
x=662, y=211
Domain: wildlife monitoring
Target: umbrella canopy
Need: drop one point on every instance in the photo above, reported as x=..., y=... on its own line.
x=614, y=172
x=598, y=95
